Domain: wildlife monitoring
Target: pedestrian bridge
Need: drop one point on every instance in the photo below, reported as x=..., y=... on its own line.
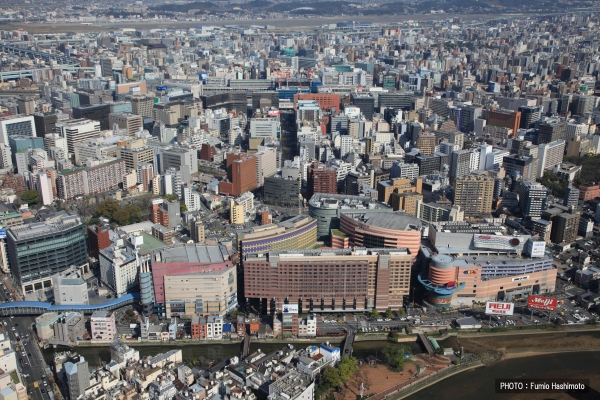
x=40, y=307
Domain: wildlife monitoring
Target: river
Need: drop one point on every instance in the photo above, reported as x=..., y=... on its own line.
x=96, y=355
x=477, y=384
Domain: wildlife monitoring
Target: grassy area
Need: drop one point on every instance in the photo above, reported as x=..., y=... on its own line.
x=339, y=233
x=15, y=377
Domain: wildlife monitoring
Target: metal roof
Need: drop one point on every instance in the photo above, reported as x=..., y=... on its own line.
x=44, y=307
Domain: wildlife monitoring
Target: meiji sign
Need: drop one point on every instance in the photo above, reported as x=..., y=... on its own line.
x=499, y=308
x=542, y=303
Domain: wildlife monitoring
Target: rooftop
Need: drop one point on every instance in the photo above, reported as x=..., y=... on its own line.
x=38, y=229
x=340, y=201
x=101, y=314
x=468, y=227
x=356, y=251
x=399, y=221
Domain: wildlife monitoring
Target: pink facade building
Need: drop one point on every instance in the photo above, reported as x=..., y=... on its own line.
x=103, y=325
x=381, y=230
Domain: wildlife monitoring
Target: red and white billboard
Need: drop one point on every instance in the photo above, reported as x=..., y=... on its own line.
x=499, y=308
x=542, y=303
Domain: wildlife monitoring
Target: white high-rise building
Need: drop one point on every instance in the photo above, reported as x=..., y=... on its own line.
x=401, y=170
x=483, y=152
x=5, y=156
x=55, y=140
x=44, y=188
x=550, y=155
x=265, y=127
x=574, y=129
x=345, y=145
x=266, y=164
x=77, y=131
x=474, y=160
x=191, y=198
x=16, y=125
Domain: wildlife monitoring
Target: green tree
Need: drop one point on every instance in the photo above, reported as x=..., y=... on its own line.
x=121, y=217
x=31, y=197
x=182, y=206
x=107, y=208
x=92, y=221
x=554, y=183
x=347, y=367
x=374, y=313
x=331, y=376
x=171, y=197
x=395, y=357
x=135, y=213
x=389, y=313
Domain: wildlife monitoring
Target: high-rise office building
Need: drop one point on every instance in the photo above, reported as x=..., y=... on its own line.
x=77, y=131
x=183, y=159
x=135, y=153
x=532, y=199
x=505, y=118
x=26, y=105
x=366, y=103
x=15, y=125
x=321, y=179
x=564, y=228
x=243, y=176
x=571, y=197
x=45, y=123
x=551, y=131
x=550, y=155
x=98, y=240
x=96, y=112
x=266, y=164
x=141, y=105
x=132, y=123
x=39, y=250
x=529, y=116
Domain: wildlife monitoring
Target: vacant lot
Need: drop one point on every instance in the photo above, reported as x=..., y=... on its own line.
x=379, y=378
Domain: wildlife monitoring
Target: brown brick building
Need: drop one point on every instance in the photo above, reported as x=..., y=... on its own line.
x=242, y=177
x=335, y=280
x=321, y=179
x=98, y=239
x=505, y=118
x=326, y=101
x=158, y=215
x=207, y=152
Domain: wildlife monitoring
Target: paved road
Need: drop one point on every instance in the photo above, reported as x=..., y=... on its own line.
x=33, y=364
